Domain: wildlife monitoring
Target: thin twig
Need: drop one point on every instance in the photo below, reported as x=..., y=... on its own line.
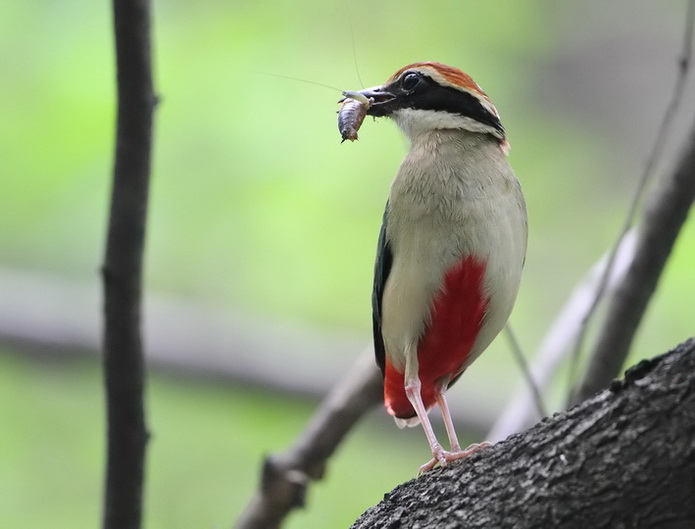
x=526, y=372
x=124, y=371
x=646, y=176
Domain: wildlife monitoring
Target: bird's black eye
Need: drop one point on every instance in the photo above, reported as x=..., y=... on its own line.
x=410, y=81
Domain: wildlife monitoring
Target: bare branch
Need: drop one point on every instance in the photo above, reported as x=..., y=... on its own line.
x=285, y=477
x=647, y=174
x=521, y=410
x=529, y=379
x=122, y=270
x=663, y=220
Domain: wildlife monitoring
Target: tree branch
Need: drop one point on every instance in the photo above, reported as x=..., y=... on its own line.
x=521, y=411
x=285, y=477
x=663, y=220
x=625, y=458
x=122, y=269
x=626, y=308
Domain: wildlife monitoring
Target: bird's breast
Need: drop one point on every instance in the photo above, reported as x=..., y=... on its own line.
x=458, y=239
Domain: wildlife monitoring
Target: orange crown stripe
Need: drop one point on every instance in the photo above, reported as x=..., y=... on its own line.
x=449, y=76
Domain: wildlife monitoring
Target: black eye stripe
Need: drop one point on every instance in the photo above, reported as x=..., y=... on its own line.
x=430, y=95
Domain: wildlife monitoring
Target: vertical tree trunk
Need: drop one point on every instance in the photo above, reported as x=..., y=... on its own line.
x=122, y=270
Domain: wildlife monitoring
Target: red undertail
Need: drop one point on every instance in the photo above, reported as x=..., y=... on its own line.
x=456, y=317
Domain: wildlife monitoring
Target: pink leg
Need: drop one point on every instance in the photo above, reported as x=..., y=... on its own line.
x=446, y=415
x=412, y=391
x=441, y=456
x=456, y=452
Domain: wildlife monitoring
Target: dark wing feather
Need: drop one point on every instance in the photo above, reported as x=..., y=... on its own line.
x=382, y=267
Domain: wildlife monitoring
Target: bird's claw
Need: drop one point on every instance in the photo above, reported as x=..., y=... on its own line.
x=443, y=457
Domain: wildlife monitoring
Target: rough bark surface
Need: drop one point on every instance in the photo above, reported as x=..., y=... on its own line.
x=622, y=459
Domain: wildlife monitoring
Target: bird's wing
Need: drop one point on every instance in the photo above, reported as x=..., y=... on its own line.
x=382, y=267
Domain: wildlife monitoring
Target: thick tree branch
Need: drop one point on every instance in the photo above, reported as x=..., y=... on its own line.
x=625, y=458
x=122, y=269
x=285, y=477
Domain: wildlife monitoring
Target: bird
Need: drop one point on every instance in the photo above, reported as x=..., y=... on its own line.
x=452, y=243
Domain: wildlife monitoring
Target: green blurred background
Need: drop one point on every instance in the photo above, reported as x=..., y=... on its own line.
x=263, y=223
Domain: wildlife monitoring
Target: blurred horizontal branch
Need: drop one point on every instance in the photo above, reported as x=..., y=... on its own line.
x=48, y=312
x=40, y=312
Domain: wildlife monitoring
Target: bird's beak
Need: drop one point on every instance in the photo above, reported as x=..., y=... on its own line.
x=378, y=96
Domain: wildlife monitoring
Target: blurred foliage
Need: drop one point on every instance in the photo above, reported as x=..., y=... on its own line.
x=255, y=204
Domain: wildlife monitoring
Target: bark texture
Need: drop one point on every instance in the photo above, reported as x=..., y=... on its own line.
x=622, y=459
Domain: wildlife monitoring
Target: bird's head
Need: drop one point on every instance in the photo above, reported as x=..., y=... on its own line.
x=429, y=95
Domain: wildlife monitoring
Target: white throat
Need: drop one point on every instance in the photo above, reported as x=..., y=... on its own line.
x=413, y=122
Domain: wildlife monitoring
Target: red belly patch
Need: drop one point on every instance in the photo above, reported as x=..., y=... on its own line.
x=456, y=317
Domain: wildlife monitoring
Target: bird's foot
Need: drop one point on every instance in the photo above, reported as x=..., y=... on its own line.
x=443, y=457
